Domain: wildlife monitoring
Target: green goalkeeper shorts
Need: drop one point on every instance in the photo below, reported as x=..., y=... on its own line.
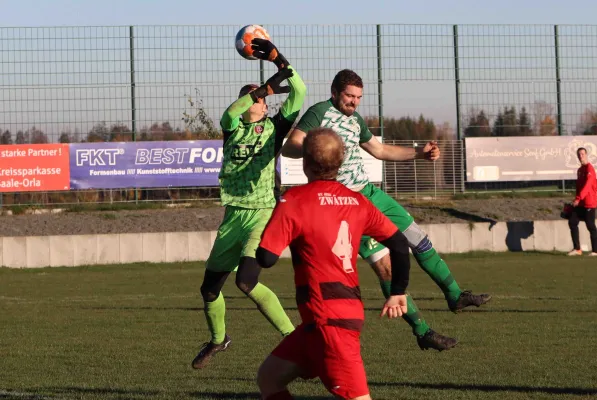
x=238, y=236
x=391, y=209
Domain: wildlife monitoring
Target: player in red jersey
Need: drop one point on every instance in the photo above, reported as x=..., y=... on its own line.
x=584, y=203
x=323, y=222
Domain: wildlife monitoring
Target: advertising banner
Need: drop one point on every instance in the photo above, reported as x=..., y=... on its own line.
x=34, y=167
x=145, y=164
x=120, y=165
x=526, y=158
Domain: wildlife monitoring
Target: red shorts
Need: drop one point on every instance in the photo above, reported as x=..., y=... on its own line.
x=330, y=353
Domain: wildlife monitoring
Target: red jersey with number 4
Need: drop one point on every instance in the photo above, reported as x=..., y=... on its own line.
x=323, y=222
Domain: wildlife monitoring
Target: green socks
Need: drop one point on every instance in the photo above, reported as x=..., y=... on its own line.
x=215, y=312
x=438, y=270
x=268, y=303
x=412, y=316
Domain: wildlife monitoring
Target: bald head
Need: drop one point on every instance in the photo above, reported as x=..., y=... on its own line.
x=323, y=154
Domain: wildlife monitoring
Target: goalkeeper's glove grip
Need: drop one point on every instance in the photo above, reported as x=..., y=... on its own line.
x=259, y=93
x=264, y=49
x=272, y=85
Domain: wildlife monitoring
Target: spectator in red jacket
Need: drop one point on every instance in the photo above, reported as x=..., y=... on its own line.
x=584, y=203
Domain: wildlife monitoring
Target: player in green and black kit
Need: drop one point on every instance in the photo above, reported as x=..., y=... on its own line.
x=339, y=113
x=248, y=180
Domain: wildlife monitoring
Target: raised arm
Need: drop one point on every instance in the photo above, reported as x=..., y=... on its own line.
x=293, y=103
x=267, y=51
x=293, y=148
x=231, y=117
x=388, y=152
x=289, y=111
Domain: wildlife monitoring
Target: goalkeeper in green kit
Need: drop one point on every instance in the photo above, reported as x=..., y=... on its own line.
x=248, y=186
x=339, y=113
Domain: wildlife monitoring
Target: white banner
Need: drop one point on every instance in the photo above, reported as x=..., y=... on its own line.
x=526, y=158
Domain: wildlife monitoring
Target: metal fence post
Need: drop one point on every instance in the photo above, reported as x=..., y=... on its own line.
x=457, y=79
x=558, y=80
x=458, y=127
x=453, y=168
x=462, y=166
x=133, y=107
x=132, y=57
x=380, y=101
x=261, y=72
x=434, y=182
x=415, y=175
x=395, y=177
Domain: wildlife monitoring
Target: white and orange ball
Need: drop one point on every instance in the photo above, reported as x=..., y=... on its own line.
x=244, y=37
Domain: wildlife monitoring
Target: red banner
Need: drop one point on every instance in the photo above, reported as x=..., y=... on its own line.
x=34, y=167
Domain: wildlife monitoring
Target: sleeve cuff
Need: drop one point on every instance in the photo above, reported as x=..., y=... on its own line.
x=398, y=289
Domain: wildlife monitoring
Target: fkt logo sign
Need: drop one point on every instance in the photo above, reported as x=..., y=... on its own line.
x=97, y=157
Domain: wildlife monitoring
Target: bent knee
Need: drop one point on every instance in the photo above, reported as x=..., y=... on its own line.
x=418, y=240
x=209, y=294
x=245, y=285
x=270, y=379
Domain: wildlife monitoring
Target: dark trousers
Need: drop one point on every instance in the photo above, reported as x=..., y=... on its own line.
x=588, y=216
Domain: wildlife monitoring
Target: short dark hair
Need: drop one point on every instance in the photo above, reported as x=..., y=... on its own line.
x=344, y=78
x=247, y=89
x=579, y=149
x=323, y=153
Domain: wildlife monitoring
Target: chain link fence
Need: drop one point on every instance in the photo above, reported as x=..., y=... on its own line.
x=443, y=82
x=425, y=180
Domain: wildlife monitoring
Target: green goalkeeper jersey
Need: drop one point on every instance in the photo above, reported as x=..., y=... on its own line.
x=248, y=177
x=353, y=132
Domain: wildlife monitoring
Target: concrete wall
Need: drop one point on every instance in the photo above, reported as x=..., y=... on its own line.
x=75, y=250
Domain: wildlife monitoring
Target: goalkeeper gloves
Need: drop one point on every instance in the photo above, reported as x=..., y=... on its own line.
x=265, y=50
x=272, y=85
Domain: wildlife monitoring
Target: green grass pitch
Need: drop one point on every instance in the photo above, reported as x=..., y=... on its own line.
x=131, y=331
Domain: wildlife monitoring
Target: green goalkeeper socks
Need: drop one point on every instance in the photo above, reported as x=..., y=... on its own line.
x=268, y=303
x=412, y=316
x=438, y=270
x=215, y=312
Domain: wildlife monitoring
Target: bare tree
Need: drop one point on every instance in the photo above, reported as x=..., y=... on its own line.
x=543, y=118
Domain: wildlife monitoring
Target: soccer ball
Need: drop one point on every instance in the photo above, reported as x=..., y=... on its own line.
x=244, y=37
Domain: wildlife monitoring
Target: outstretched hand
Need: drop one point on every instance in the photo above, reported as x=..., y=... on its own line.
x=273, y=83
x=395, y=306
x=265, y=50
x=431, y=151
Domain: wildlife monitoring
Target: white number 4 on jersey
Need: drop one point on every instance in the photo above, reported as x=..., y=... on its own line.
x=343, y=247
